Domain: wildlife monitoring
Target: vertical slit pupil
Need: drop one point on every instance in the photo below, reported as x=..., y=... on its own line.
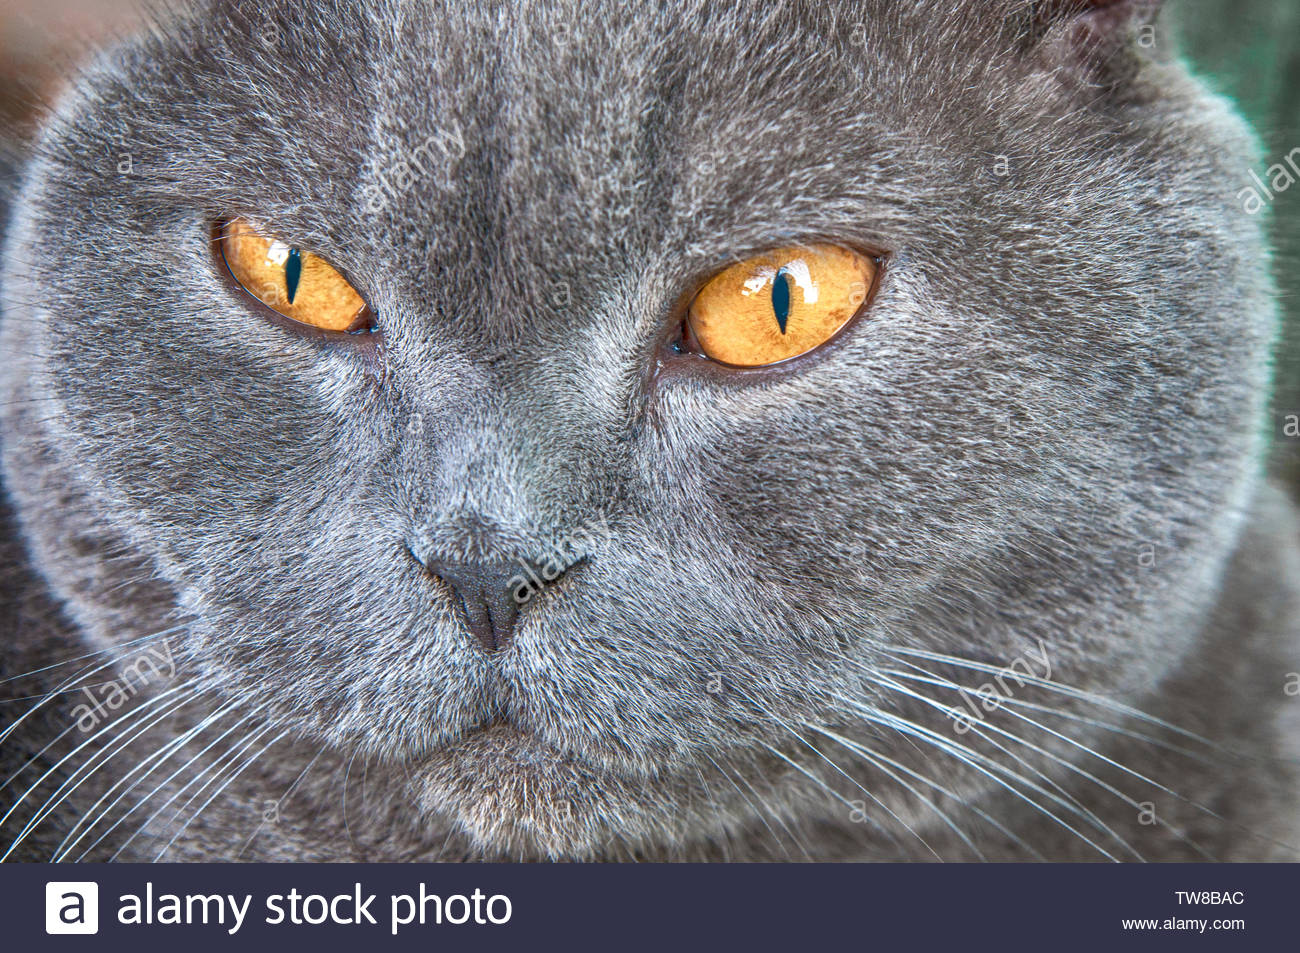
x=781, y=299
x=292, y=273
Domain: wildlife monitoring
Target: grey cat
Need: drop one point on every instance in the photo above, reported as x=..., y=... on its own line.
x=994, y=574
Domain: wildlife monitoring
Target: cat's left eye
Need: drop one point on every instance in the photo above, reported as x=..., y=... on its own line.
x=295, y=283
x=778, y=305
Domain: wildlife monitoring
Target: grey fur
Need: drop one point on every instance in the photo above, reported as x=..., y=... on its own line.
x=1045, y=435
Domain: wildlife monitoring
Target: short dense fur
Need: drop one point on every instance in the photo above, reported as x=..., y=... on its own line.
x=1044, y=436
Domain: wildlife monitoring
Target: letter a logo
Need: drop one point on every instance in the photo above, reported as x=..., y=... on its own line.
x=71, y=907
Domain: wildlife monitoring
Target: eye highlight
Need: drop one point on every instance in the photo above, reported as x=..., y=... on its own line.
x=779, y=305
x=295, y=283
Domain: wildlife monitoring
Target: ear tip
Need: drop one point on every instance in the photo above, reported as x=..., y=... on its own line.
x=1060, y=9
x=1102, y=17
x=1089, y=33
x=1065, y=8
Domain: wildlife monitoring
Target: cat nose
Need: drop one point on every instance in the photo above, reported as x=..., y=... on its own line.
x=487, y=599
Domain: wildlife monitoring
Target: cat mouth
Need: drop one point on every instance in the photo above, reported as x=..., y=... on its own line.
x=500, y=730
x=504, y=741
x=504, y=732
x=514, y=794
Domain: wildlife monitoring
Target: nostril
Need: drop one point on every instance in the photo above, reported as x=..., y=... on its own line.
x=488, y=595
x=531, y=578
x=483, y=594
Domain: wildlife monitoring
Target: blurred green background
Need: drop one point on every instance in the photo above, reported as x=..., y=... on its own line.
x=1250, y=50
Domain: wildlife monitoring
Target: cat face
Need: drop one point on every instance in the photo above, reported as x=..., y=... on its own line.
x=1058, y=370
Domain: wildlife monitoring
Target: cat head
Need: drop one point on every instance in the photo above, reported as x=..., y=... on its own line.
x=1035, y=436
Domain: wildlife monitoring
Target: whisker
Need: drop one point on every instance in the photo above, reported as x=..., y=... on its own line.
x=214, y=766
x=817, y=781
x=964, y=802
x=72, y=681
x=116, y=649
x=162, y=700
x=757, y=813
x=161, y=757
x=866, y=753
x=39, y=756
x=347, y=829
x=839, y=770
x=280, y=800
x=1136, y=774
x=225, y=784
x=976, y=761
x=1064, y=689
x=979, y=730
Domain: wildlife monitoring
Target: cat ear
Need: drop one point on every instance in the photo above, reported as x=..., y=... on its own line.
x=1094, y=35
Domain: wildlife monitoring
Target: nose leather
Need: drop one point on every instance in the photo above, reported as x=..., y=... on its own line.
x=487, y=601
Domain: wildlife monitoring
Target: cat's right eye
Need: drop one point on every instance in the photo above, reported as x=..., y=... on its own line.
x=294, y=283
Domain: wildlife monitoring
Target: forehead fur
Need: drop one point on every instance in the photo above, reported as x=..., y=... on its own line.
x=498, y=151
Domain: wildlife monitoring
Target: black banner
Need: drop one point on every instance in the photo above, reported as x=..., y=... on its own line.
x=662, y=907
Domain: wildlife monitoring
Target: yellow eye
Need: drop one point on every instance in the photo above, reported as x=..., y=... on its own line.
x=779, y=305
x=297, y=284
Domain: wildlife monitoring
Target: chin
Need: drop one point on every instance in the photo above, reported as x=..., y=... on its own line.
x=516, y=797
